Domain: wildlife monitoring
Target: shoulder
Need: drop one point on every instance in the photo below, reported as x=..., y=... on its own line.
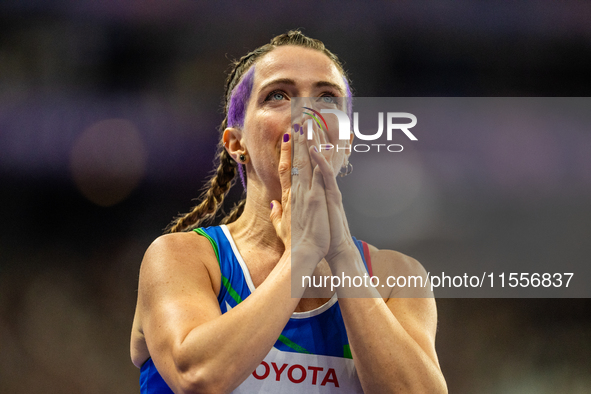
x=178, y=257
x=176, y=248
x=386, y=260
x=389, y=265
x=177, y=243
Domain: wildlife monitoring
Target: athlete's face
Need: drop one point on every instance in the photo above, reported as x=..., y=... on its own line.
x=284, y=73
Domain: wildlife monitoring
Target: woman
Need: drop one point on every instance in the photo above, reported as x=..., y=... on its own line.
x=213, y=302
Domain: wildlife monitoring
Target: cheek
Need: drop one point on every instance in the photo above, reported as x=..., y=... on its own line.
x=263, y=132
x=263, y=135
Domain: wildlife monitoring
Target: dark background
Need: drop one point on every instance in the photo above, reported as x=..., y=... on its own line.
x=108, y=116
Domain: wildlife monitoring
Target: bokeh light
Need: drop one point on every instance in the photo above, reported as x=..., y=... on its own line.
x=108, y=161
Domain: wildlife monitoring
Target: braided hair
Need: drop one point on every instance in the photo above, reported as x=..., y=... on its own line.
x=236, y=96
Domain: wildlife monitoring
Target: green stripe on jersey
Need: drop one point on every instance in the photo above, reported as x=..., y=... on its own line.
x=231, y=291
x=212, y=242
x=288, y=342
x=225, y=281
x=347, y=351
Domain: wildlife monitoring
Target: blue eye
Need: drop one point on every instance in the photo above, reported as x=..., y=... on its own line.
x=276, y=96
x=328, y=99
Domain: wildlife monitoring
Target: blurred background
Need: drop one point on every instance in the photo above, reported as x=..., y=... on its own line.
x=108, y=116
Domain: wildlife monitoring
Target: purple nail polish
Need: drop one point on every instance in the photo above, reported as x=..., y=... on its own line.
x=285, y=137
x=271, y=205
x=316, y=149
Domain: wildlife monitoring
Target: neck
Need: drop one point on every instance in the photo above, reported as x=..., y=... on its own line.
x=253, y=229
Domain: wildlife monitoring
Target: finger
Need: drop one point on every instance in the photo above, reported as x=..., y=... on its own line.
x=285, y=163
x=334, y=197
x=301, y=158
x=320, y=139
x=318, y=177
x=330, y=182
x=315, y=141
x=322, y=162
x=276, y=213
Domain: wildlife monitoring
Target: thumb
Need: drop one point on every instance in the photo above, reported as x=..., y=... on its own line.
x=276, y=213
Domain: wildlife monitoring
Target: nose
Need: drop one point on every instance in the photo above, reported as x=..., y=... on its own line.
x=297, y=108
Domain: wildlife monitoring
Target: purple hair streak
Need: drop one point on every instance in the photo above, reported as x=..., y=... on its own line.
x=237, y=108
x=239, y=100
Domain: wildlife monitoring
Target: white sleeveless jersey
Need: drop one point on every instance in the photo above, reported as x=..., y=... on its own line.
x=287, y=373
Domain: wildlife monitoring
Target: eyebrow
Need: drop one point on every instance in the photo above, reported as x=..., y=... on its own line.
x=288, y=81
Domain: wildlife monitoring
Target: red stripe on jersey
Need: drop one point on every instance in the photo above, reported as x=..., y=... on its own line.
x=367, y=258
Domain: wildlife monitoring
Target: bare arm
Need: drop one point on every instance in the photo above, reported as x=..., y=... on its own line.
x=194, y=346
x=393, y=342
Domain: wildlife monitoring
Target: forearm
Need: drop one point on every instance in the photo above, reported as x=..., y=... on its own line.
x=224, y=351
x=387, y=357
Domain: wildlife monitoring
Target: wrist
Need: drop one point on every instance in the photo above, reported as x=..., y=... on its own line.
x=347, y=251
x=303, y=264
x=346, y=259
x=306, y=253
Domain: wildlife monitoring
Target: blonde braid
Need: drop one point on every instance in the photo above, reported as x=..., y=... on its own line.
x=235, y=212
x=212, y=199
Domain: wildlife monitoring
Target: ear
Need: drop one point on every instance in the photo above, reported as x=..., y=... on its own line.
x=232, y=139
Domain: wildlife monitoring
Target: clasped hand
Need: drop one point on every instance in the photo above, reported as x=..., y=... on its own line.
x=310, y=217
